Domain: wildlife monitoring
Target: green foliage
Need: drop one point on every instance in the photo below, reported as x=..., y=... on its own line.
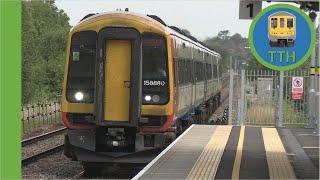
x=44, y=34
x=235, y=46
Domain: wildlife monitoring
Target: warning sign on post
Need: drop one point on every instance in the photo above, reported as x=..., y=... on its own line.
x=297, y=88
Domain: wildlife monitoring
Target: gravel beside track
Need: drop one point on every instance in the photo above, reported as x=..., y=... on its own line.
x=55, y=166
x=41, y=130
x=218, y=114
x=41, y=146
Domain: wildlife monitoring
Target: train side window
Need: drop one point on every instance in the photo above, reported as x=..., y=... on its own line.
x=184, y=71
x=208, y=71
x=274, y=22
x=290, y=23
x=197, y=71
x=181, y=65
x=215, y=72
x=179, y=71
x=281, y=22
x=202, y=72
x=188, y=71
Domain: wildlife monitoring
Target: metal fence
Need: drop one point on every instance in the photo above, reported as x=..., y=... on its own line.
x=39, y=114
x=264, y=98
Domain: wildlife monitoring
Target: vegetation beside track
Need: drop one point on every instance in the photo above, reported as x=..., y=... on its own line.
x=44, y=34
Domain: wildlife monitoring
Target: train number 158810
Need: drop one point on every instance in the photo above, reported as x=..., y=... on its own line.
x=153, y=83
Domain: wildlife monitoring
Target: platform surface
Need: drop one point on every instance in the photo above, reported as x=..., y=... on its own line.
x=237, y=152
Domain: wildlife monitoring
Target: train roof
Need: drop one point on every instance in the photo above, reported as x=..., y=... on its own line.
x=155, y=20
x=281, y=13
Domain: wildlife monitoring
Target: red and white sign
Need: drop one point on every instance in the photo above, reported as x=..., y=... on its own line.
x=297, y=88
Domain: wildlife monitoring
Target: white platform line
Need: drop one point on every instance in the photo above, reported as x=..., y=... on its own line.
x=146, y=168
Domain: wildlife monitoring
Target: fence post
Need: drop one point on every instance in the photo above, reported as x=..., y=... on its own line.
x=318, y=86
x=230, y=97
x=239, y=111
x=311, y=98
x=279, y=119
x=242, y=96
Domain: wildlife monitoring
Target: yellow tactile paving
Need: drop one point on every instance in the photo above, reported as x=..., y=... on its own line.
x=237, y=161
x=278, y=162
x=207, y=164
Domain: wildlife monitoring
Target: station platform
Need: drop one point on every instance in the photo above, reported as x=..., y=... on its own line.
x=237, y=152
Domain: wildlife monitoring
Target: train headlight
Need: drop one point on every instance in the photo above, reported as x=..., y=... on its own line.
x=147, y=98
x=79, y=96
x=155, y=98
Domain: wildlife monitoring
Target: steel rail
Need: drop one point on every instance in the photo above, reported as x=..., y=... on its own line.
x=43, y=154
x=79, y=175
x=42, y=136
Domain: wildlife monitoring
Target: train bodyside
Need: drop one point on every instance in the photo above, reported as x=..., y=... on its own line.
x=122, y=97
x=197, y=81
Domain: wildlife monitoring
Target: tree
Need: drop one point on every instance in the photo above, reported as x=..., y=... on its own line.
x=44, y=34
x=234, y=46
x=223, y=34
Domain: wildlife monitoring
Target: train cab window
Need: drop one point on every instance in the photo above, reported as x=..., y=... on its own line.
x=154, y=57
x=154, y=69
x=281, y=22
x=82, y=67
x=274, y=22
x=290, y=23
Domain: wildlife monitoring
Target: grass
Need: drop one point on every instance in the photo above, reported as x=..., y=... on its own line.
x=260, y=114
x=263, y=113
x=294, y=113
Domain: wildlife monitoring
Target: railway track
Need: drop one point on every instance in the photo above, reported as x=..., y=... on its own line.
x=79, y=175
x=43, y=136
x=40, y=155
x=48, y=151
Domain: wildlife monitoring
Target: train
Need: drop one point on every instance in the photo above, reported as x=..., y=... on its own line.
x=131, y=85
x=281, y=29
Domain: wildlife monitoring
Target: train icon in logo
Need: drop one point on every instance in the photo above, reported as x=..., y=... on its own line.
x=282, y=37
x=282, y=29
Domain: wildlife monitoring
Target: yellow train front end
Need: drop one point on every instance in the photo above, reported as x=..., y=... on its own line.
x=281, y=29
x=117, y=98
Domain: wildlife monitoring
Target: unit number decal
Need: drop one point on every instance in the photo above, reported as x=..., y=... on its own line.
x=153, y=83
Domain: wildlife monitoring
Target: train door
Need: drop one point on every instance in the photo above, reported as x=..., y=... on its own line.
x=118, y=77
x=117, y=80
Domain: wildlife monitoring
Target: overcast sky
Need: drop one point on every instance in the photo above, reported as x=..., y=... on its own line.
x=202, y=18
